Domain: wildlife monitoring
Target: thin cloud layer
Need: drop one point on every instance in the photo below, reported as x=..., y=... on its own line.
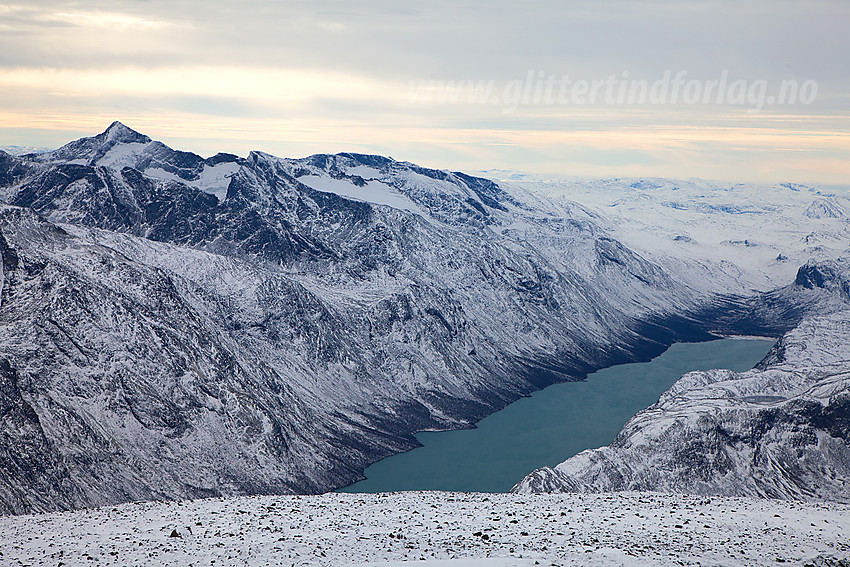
x=297, y=77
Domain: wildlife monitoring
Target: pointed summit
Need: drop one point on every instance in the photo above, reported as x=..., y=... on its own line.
x=116, y=146
x=120, y=146
x=118, y=132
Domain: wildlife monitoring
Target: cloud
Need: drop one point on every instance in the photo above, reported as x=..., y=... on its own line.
x=271, y=83
x=332, y=74
x=441, y=39
x=29, y=19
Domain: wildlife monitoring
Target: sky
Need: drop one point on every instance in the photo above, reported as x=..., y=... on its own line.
x=755, y=91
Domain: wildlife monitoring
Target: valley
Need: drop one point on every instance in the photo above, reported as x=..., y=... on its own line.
x=551, y=424
x=176, y=327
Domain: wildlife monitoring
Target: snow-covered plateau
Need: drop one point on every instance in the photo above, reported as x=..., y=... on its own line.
x=435, y=529
x=182, y=329
x=754, y=237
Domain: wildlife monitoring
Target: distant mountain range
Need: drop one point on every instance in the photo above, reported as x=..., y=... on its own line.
x=23, y=150
x=173, y=326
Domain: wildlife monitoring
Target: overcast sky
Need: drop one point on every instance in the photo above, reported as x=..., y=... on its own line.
x=294, y=78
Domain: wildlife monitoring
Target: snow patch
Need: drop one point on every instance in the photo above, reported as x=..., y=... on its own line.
x=214, y=179
x=374, y=192
x=122, y=155
x=364, y=171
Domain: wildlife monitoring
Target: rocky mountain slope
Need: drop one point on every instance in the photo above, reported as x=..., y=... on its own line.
x=781, y=430
x=173, y=326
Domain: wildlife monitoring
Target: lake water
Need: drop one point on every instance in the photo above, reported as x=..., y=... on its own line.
x=550, y=425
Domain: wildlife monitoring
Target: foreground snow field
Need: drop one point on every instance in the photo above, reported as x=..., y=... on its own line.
x=434, y=529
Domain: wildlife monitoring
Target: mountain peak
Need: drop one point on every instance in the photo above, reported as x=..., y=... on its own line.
x=118, y=132
x=107, y=148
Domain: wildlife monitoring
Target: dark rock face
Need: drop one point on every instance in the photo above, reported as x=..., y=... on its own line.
x=812, y=275
x=32, y=475
x=825, y=275
x=175, y=327
x=128, y=201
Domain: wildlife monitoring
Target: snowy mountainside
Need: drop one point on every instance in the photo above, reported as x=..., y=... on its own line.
x=175, y=326
x=780, y=430
x=437, y=529
x=120, y=390
x=753, y=236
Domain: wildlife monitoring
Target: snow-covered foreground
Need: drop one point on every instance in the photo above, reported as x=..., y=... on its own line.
x=434, y=529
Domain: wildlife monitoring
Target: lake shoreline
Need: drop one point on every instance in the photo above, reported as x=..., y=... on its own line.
x=551, y=424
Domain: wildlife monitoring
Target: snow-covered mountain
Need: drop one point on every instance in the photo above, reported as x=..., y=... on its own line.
x=22, y=150
x=753, y=236
x=781, y=430
x=173, y=326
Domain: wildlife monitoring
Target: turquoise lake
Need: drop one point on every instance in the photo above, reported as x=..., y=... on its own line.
x=551, y=425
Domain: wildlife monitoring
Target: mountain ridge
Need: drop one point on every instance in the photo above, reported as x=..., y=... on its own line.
x=286, y=308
